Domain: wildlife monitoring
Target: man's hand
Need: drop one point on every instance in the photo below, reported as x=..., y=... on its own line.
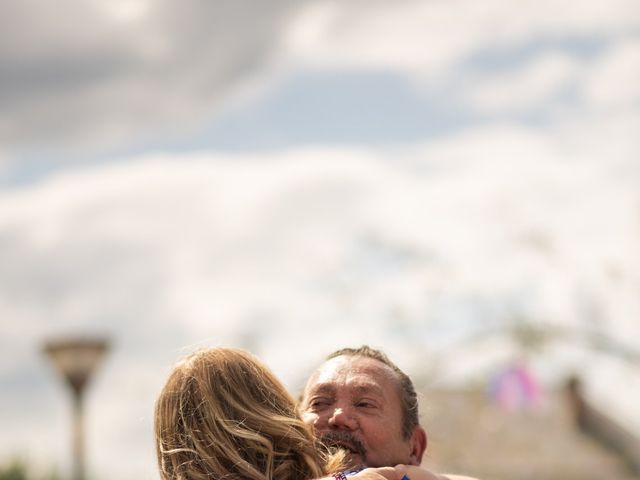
x=380, y=473
x=416, y=473
x=401, y=472
x=420, y=473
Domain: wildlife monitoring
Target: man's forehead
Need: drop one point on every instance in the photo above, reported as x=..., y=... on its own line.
x=357, y=386
x=357, y=372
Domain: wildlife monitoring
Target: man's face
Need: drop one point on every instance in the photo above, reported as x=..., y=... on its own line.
x=353, y=402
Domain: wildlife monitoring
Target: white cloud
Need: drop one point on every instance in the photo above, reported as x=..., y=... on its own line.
x=497, y=59
x=534, y=86
x=109, y=73
x=87, y=73
x=427, y=39
x=612, y=82
x=125, y=10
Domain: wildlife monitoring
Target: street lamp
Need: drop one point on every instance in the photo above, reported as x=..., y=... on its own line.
x=76, y=359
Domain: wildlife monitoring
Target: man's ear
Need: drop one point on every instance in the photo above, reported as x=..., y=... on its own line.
x=418, y=444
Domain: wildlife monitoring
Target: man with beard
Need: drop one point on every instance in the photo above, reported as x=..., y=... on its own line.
x=360, y=401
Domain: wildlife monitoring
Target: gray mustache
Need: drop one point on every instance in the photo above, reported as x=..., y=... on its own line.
x=335, y=439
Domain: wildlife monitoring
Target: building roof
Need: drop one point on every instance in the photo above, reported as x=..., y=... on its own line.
x=469, y=434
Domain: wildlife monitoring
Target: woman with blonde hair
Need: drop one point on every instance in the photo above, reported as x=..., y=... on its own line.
x=224, y=415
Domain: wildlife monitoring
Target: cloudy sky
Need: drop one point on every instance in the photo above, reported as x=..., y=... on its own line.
x=294, y=176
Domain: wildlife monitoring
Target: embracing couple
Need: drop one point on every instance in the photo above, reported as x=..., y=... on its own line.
x=224, y=415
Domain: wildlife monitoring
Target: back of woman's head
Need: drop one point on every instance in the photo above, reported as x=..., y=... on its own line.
x=223, y=415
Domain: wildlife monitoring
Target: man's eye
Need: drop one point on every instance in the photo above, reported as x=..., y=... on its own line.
x=365, y=404
x=319, y=403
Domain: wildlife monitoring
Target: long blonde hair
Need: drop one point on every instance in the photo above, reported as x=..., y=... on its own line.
x=223, y=415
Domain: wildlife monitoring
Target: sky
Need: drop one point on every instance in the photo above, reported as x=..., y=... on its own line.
x=430, y=177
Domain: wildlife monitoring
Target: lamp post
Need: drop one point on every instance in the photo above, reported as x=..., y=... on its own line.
x=76, y=359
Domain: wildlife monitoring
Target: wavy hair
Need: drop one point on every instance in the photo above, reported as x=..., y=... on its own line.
x=224, y=415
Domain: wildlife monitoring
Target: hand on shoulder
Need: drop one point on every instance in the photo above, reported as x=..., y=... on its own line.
x=401, y=472
x=421, y=473
x=450, y=476
x=379, y=473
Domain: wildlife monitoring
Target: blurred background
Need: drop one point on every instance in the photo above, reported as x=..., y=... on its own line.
x=456, y=182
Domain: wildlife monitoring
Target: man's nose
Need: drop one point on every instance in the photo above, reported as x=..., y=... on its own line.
x=342, y=418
